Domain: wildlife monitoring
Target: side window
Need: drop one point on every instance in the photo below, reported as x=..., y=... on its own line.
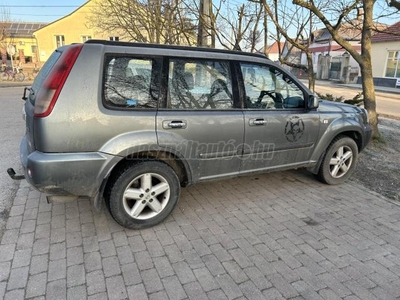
x=269, y=88
x=199, y=84
x=132, y=82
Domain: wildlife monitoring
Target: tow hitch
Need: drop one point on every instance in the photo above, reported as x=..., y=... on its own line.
x=13, y=175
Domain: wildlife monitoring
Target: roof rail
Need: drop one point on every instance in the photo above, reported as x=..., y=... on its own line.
x=161, y=46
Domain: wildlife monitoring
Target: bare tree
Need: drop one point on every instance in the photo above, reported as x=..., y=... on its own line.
x=338, y=12
x=235, y=27
x=154, y=21
x=300, y=19
x=395, y=4
x=254, y=35
x=4, y=32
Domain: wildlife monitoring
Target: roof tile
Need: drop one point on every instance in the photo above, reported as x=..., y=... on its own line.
x=389, y=35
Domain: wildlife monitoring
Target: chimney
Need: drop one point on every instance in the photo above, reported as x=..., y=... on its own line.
x=360, y=13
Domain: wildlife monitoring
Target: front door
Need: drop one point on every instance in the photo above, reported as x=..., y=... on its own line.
x=201, y=120
x=279, y=131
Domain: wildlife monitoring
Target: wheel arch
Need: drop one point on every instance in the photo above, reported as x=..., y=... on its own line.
x=179, y=165
x=352, y=133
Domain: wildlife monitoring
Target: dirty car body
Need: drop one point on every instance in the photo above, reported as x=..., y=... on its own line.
x=133, y=123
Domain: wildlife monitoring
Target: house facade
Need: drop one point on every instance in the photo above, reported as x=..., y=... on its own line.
x=80, y=26
x=273, y=51
x=327, y=53
x=386, y=57
x=72, y=28
x=19, y=36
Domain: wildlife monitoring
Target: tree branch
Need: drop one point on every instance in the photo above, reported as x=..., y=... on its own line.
x=395, y=4
x=332, y=29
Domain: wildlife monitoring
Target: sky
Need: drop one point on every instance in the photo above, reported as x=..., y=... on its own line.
x=51, y=10
x=39, y=10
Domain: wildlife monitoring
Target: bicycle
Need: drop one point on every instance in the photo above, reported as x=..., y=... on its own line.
x=3, y=75
x=9, y=74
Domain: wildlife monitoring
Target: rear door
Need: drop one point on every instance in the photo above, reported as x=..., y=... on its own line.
x=279, y=131
x=201, y=119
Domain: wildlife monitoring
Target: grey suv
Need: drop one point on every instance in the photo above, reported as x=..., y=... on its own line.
x=133, y=123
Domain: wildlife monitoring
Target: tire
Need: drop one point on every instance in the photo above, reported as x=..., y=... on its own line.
x=19, y=76
x=339, y=161
x=144, y=194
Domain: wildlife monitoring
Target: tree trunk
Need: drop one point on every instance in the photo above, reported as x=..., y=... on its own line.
x=366, y=67
x=310, y=72
x=369, y=98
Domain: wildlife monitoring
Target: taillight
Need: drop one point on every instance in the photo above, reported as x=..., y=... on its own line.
x=54, y=82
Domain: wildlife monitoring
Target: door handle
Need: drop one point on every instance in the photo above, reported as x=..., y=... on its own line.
x=257, y=122
x=176, y=124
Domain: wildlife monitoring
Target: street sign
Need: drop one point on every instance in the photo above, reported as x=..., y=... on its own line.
x=11, y=50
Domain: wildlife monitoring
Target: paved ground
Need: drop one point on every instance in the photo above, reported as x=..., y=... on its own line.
x=12, y=129
x=275, y=236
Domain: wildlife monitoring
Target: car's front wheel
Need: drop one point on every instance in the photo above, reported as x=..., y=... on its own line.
x=144, y=194
x=339, y=161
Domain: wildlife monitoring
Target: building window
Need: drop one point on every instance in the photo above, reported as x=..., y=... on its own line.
x=60, y=40
x=34, y=49
x=86, y=38
x=114, y=38
x=393, y=65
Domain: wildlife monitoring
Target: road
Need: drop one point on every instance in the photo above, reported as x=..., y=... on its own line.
x=12, y=130
x=387, y=103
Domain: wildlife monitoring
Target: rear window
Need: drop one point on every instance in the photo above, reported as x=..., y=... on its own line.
x=41, y=76
x=131, y=82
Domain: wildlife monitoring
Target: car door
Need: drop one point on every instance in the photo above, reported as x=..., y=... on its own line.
x=201, y=120
x=279, y=131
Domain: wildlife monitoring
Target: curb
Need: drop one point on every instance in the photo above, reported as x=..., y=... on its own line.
x=343, y=85
x=15, y=84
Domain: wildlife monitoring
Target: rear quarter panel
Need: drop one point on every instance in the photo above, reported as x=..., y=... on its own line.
x=79, y=122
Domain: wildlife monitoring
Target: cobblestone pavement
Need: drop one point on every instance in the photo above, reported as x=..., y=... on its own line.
x=275, y=236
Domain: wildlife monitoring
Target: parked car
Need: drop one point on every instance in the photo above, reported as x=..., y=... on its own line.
x=133, y=123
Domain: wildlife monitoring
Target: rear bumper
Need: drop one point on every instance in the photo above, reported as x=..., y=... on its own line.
x=79, y=174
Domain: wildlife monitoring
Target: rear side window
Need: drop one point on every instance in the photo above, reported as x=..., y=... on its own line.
x=199, y=84
x=41, y=76
x=131, y=82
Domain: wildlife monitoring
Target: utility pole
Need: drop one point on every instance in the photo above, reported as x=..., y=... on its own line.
x=204, y=23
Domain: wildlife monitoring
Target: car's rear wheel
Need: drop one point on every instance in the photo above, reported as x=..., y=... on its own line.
x=339, y=161
x=144, y=194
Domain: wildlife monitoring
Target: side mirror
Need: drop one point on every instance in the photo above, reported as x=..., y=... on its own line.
x=313, y=102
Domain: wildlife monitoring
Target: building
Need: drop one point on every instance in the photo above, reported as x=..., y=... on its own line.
x=86, y=22
x=327, y=53
x=19, y=35
x=386, y=56
x=293, y=56
x=72, y=28
x=273, y=51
